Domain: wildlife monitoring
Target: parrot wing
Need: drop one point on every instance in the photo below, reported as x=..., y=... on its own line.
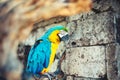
x=38, y=57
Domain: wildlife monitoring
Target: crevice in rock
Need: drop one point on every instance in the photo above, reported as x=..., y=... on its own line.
x=97, y=11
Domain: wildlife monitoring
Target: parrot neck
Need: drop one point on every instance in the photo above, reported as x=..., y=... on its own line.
x=54, y=48
x=54, y=37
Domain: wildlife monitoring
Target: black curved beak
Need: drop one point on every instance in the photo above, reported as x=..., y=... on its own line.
x=63, y=35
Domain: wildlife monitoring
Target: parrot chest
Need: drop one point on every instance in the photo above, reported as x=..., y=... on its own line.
x=54, y=48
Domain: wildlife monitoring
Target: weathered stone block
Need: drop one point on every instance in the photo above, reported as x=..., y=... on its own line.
x=85, y=61
x=97, y=29
x=113, y=57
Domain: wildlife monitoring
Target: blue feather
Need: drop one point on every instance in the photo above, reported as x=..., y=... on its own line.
x=37, y=57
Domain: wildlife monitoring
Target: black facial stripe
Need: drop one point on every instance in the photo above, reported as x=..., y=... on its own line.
x=59, y=37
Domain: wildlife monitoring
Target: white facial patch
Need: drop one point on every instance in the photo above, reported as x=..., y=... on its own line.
x=62, y=33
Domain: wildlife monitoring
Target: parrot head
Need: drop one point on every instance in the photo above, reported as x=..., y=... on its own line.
x=56, y=34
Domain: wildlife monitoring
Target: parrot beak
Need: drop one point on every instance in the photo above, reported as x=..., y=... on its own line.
x=63, y=35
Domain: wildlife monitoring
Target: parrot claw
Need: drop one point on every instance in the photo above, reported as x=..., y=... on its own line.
x=49, y=75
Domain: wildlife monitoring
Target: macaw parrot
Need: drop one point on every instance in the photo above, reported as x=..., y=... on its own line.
x=42, y=53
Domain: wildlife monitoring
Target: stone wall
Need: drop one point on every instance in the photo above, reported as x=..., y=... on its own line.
x=92, y=51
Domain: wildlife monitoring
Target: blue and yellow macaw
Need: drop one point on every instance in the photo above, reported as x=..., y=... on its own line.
x=42, y=54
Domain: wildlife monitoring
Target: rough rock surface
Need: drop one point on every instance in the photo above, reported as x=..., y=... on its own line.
x=112, y=57
x=97, y=29
x=85, y=61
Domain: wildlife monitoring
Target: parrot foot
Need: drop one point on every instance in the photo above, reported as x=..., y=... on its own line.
x=49, y=75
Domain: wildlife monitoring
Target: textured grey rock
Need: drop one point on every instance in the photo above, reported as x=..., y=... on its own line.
x=97, y=29
x=54, y=66
x=54, y=20
x=76, y=78
x=69, y=78
x=112, y=54
x=118, y=59
x=102, y=5
x=115, y=4
x=85, y=61
x=71, y=26
x=80, y=17
x=74, y=17
x=61, y=50
x=30, y=40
